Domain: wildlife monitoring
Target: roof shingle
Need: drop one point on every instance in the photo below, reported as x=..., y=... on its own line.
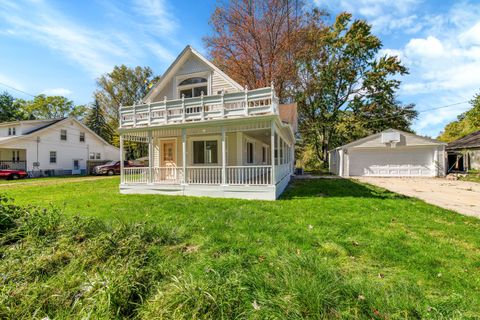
x=469, y=141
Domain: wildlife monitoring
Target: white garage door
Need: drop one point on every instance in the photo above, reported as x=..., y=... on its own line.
x=393, y=162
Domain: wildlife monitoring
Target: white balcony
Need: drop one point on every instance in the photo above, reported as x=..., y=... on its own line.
x=221, y=106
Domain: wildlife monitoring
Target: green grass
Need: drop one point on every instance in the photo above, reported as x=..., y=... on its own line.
x=473, y=176
x=327, y=249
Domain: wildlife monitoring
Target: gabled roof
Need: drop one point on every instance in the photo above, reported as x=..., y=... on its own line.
x=53, y=123
x=469, y=141
x=376, y=135
x=178, y=62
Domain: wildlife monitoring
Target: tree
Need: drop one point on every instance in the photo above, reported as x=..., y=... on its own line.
x=53, y=107
x=10, y=108
x=466, y=123
x=255, y=42
x=123, y=86
x=344, y=91
x=96, y=121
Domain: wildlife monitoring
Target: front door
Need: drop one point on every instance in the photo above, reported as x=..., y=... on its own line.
x=168, y=159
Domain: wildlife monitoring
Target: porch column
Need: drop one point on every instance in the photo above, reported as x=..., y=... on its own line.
x=272, y=151
x=122, y=178
x=340, y=168
x=224, y=158
x=150, y=157
x=184, y=155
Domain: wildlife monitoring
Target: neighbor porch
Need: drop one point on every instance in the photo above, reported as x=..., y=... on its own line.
x=13, y=159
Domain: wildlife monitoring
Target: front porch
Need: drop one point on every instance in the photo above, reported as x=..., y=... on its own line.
x=13, y=159
x=230, y=159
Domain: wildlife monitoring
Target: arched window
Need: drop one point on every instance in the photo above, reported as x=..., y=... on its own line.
x=193, y=87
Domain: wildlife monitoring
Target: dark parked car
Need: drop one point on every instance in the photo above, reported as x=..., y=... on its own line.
x=113, y=167
x=10, y=174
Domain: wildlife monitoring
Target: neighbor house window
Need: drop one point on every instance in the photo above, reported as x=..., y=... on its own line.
x=193, y=87
x=12, y=131
x=91, y=156
x=63, y=135
x=97, y=156
x=82, y=136
x=249, y=152
x=53, y=156
x=205, y=152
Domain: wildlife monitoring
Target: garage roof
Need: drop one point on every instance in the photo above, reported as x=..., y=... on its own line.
x=469, y=141
x=425, y=140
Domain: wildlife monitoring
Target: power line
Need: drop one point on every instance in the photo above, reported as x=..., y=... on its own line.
x=8, y=86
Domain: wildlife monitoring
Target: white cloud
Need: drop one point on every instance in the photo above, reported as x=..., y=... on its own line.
x=97, y=51
x=158, y=14
x=6, y=82
x=57, y=92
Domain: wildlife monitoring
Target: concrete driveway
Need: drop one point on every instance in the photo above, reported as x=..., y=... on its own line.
x=460, y=196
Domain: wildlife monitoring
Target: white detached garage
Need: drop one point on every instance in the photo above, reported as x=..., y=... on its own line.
x=391, y=153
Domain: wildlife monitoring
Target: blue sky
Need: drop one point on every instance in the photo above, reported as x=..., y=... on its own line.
x=61, y=47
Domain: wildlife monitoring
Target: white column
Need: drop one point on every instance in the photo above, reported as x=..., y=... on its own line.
x=184, y=155
x=122, y=156
x=150, y=157
x=340, y=162
x=436, y=163
x=272, y=150
x=224, y=158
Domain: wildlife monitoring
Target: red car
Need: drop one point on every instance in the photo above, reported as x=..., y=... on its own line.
x=12, y=174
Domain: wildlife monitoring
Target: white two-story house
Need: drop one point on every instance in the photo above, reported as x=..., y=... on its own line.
x=209, y=136
x=51, y=147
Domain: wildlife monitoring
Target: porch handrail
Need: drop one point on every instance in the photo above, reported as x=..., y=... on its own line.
x=243, y=103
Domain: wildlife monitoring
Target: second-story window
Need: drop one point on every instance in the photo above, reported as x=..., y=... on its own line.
x=63, y=135
x=82, y=136
x=12, y=131
x=193, y=87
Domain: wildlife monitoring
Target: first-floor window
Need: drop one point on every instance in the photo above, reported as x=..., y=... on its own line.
x=205, y=152
x=53, y=156
x=91, y=156
x=249, y=152
x=264, y=154
x=97, y=156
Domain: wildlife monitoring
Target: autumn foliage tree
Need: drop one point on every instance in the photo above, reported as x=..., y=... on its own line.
x=255, y=42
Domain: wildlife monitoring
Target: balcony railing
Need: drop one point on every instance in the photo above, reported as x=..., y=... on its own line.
x=228, y=105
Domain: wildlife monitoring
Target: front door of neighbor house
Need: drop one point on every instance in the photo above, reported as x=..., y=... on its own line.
x=168, y=159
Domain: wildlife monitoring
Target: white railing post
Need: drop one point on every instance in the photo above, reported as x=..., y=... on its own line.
x=272, y=151
x=272, y=97
x=224, y=158
x=149, y=114
x=223, y=103
x=203, y=106
x=183, y=107
x=150, y=157
x=246, y=101
x=134, y=115
x=122, y=174
x=165, y=108
x=184, y=155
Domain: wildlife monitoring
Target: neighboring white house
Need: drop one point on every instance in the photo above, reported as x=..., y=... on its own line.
x=391, y=153
x=208, y=136
x=54, y=147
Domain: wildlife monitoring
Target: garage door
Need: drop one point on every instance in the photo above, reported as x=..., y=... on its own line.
x=393, y=162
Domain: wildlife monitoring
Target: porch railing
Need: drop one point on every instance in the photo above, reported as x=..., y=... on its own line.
x=218, y=106
x=205, y=175
x=13, y=165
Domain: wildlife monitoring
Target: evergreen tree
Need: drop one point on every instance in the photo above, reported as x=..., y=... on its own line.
x=96, y=121
x=10, y=109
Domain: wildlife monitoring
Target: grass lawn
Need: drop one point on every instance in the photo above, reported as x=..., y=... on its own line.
x=328, y=249
x=472, y=176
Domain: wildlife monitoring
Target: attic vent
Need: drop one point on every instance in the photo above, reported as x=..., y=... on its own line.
x=391, y=137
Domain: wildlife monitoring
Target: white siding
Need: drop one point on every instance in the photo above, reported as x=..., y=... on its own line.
x=219, y=83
